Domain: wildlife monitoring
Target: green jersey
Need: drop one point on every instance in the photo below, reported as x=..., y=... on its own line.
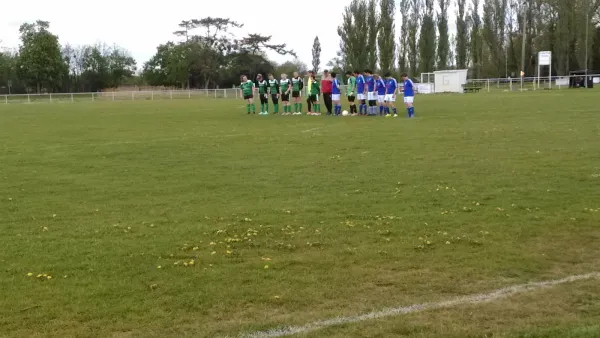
x=284, y=84
x=262, y=87
x=274, y=86
x=351, y=87
x=297, y=84
x=247, y=87
x=315, y=88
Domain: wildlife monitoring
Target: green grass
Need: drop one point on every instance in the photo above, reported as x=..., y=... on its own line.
x=350, y=214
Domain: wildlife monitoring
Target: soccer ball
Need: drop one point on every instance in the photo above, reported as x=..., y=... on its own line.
x=345, y=113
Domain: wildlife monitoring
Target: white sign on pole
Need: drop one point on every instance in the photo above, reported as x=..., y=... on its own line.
x=545, y=58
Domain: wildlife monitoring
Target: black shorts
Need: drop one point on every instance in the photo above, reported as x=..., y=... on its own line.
x=285, y=97
x=275, y=98
x=295, y=94
x=313, y=98
x=248, y=97
x=351, y=98
x=372, y=103
x=264, y=98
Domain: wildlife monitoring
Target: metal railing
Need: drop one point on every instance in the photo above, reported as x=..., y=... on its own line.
x=486, y=85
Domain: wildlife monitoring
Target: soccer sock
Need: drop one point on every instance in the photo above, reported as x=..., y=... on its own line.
x=412, y=111
x=408, y=109
x=266, y=107
x=253, y=108
x=300, y=107
x=248, y=108
x=262, y=107
x=275, y=108
x=386, y=110
x=380, y=110
x=395, y=111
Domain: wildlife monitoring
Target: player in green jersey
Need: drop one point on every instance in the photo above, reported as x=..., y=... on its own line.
x=285, y=86
x=315, y=89
x=263, y=86
x=297, y=86
x=247, y=91
x=274, y=91
x=351, y=91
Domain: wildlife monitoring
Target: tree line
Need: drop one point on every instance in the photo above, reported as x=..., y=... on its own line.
x=493, y=38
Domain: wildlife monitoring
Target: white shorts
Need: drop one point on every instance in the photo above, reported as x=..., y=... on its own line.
x=372, y=96
x=336, y=97
x=381, y=98
x=409, y=99
x=389, y=98
x=360, y=96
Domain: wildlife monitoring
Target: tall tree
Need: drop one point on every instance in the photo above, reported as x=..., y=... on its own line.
x=476, y=47
x=403, y=48
x=462, y=35
x=40, y=62
x=373, y=32
x=414, y=21
x=387, y=38
x=427, y=39
x=353, y=33
x=494, y=34
x=443, y=48
x=316, y=54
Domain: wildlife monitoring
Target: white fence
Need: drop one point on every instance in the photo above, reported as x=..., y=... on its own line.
x=485, y=85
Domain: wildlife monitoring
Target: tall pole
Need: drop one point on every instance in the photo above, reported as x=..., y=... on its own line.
x=523, y=42
x=587, y=26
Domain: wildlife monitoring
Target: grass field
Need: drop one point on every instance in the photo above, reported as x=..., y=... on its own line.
x=187, y=218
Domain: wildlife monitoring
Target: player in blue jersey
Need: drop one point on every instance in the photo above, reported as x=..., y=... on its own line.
x=371, y=93
x=336, y=94
x=380, y=87
x=360, y=93
x=391, y=88
x=409, y=95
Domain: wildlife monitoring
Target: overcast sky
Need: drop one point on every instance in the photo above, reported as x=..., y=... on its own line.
x=140, y=26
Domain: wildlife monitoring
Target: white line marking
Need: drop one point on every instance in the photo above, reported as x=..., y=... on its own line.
x=311, y=130
x=469, y=299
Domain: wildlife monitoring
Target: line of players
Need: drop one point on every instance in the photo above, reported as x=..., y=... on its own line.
x=371, y=91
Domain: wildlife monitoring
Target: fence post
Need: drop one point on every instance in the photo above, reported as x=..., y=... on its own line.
x=92, y=96
x=152, y=95
x=488, y=85
x=72, y=99
x=215, y=93
x=225, y=93
x=5, y=99
x=206, y=91
x=189, y=94
x=132, y=95
x=171, y=94
x=28, y=99
x=50, y=97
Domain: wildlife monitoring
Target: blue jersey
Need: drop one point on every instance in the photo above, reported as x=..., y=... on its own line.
x=380, y=87
x=391, y=86
x=335, y=89
x=408, y=88
x=370, y=84
x=360, y=84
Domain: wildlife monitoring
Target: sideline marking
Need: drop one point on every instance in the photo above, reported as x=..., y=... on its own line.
x=469, y=299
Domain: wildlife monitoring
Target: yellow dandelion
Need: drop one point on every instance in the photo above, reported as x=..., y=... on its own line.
x=447, y=242
x=228, y=252
x=213, y=253
x=195, y=248
x=39, y=275
x=49, y=277
x=159, y=267
x=266, y=267
x=276, y=297
x=191, y=262
x=29, y=274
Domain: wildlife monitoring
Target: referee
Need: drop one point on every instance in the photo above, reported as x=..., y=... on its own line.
x=326, y=89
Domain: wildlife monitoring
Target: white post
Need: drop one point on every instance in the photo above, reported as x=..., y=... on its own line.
x=132, y=95
x=206, y=91
x=153, y=95
x=5, y=99
x=113, y=96
x=550, y=76
x=171, y=94
x=92, y=96
x=72, y=99
x=189, y=94
x=28, y=99
x=50, y=97
x=488, y=85
x=225, y=93
x=215, y=93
